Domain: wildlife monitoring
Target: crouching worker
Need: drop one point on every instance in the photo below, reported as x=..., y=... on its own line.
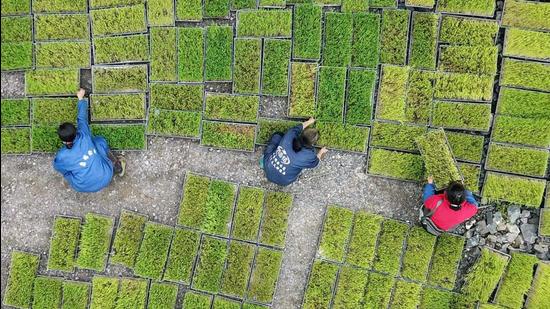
x=286, y=155
x=85, y=161
x=445, y=211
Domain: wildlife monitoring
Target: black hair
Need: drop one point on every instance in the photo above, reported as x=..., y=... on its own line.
x=67, y=132
x=456, y=194
x=307, y=139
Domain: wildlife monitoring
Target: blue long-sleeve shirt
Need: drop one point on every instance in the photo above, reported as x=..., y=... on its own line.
x=86, y=165
x=429, y=190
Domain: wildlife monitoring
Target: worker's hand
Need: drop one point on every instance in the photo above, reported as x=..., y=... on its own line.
x=80, y=94
x=309, y=122
x=322, y=152
x=430, y=179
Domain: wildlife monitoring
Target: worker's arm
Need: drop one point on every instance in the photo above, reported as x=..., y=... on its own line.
x=82, y=119
x=308, y=122
x=321, y=153
x=429, y=189
x=470, y=198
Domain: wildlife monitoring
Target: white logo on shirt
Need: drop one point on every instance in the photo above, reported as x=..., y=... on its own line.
x=91, y=152
x=279, y=159
x=83, y=164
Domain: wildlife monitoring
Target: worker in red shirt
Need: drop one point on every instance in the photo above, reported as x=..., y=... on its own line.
x=447, y=210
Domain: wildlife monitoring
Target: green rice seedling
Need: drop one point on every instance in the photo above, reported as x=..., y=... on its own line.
x=191, y=54
x=53, y=111
x=22, y=272
x=355, y=6
x=225, y=303
x=393, y=41
x=132, y=293
x=328, y=2
x=197, y=300
x=189, y=10
x=337, y=39
x=471, y=173
x=61, y=27
x=525, y=14
x=469, y=59
x=51, y=81
x=120, y=79
x=395, y=164
x=350, y=288
x=406, y=294
x=253, y=306
x=153, y=252
x=164, y=57
x=517, y=160
x=464, y=86
x=63, y=243
x=16, y=140
x=466, y=116
x=526, y=43
x=264, y=23
x=523, y=103
x=248, y=213
x=193, y=204
x=15, y=112
x=525, y=74
x=267, y=127
x=122, y=137
x=95, y=239
x=545, y=217
x=466, y=147
x=242, y=4
x=246, y=72
x=378, y=291
x=467, y=31
x=181, y=259
x=382, y=3
x=17, y=56
x=45, y=138
x=416, y=259
x=392, y=93
x=447, y=255
x=336, y=232
x=365, y=45
x=420, y=91
x=330, y=94
x=321, y=283
x=216, y=8
x=177, y=97
x=538, y=295
x=219, y=206
x=514, y=189
x=47, y=292
x=209, y=269
x=129, y=234
x=120, y=106
x=95, y=4
x=162, y=295
x=131, y=48
x=302, y=89
x=219, y=50
x=59, y=6
x=62, y=54
x=272, y=3
x=436, y=298
x=359, y=99
x=104, y=292
x=75, y=295
x=420, y=3
x=118, y=20
x=276, y=55
x=238, y=268
x=424, y=39
x=160, y=12
x=174, y=123
x=306, y=34
x=390, y=243
x=16, y=7
x=275, y=218
x=395, y=136
x=469, y=7
x=524, y=131
x=16, y=29
x=362, y=242
x=344, y=137
x=517, y=280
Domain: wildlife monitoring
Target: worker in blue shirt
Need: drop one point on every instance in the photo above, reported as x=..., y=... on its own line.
x=287, y=155
x=85, y=161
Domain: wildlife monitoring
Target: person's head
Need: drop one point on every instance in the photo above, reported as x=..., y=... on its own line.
x=456, y=194
x=307, y=139
x=67, y=133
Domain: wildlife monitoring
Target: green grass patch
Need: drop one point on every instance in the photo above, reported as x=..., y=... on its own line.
x=424, y=40
x=275, y=67
x=228, y=135
x=416, y=259
x=525, y=14
x=16, y=7
x=471, y=173
x=392, y=93
x=219, y=50
x=216, y=8
x=469, y=7
x=514, y=189
x=336, y=233
x=436, y=298
x=395, y=136
x=231, y=107
x=525, y=43
x=16, y=140
x=153, y=251
x=248, y=213
x=177, y=97
x=47, y=292
x=321, y=283
x=390, y=243
x=15, y=112
x=17, y=56
x=63, y=243
x=523, y=103
x=420, y=91
x=406, y=295
x=382, y=3
x=22, y=272
x=466, y=116
x=59, y=6
x=128, y=238
x=119, y=20
x=122, y=137
x=181, y=259
x=302, y=89
x=197, y=300
x=131, y=48
x=62, y=54
x=467, y=31
x=174, y=123
x=517, y=280
x=330, y=94
x=116, y=107
x=395, y=164
x=447, y=255
x=464, y=86
x=246, y=72
x=275, y=218
x=365, y=45
x=193, y=204
x=539, y=292
x=337, y=48
x=95, y=239
x=378, y=291
x=191, y=54
x=189, y=10
x=350, y=288
x=53, y=111
x=524, y=131
x=16, y=29
x=466, y=147
x=160, y=12
x=517, y=160
x=52, y=81
x=104, y=292
x=164, y=57
x=307, y=31
x=45, y=138
x=237, y=269
x=360, y=87
x=545, y=217
x=469, y=59
x=61, y=27
x=132, y=293
x=343, y=137
x=264, y=23
x=208, y=272
x=162, y=295
x=525, y=74
x=362, y=243
x=219, y=206
x=120, y=79
x=393, y=41
x=75, y=295
x=268, y=126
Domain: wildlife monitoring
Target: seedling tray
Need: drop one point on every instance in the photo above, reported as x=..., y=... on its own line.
x=29, y=148
x=255, y=264
x=229, y=148
x=117, y=231
x=197, y=265
x=402, y=88
x=314, y=97
x=107, y=248
x=88, y=28
x=415, y=151
x=76, y=245
x=387, y=176
x=542, y=221
x=470, y=129
x=83, y=283
x=407, y=36
x=247, y=57
x=205, y=55
x=115, y=119
x=282, y=233
x=487, y=167
x=79, y=66
x=121, y=67
x=149, y=132
x=429, y=281
x=263, y=65
x=308, y=278
x=133, y=61
x=94, y=290
x=281, y=36
x=57, y=10
x=193, y=257
x=420, y=6
x=537, y=274
x=331, y=232
x=347, y=110
x=466, y=18
x=505, y=275
x=484, y=200
x=107, y=125
x=28, y=299
x=62, y=93
x=150, y=253
x=145, y=20
x=248, y=198
x=523, y=87
x=229, y=117
x=522, y=57
x=437, y=9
